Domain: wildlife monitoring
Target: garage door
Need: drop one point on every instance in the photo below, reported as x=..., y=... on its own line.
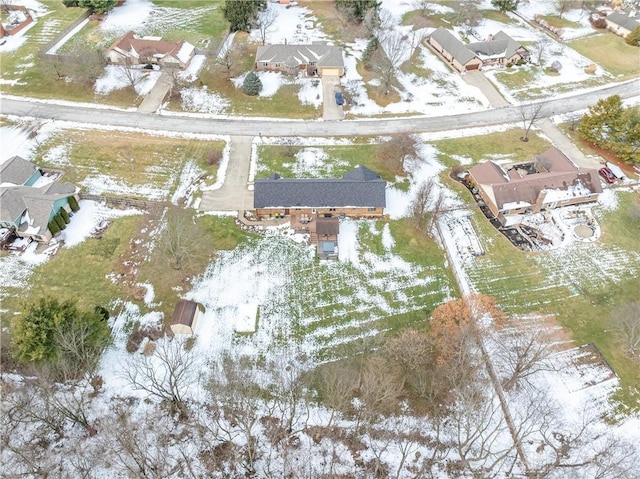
x=331, y=71
x=472, y=66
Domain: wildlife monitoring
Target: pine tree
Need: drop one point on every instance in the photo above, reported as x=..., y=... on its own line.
x=252, y=84
x=505, y=5
x=98, y=6
x=633, y=38
x=65, y=215
x=242, y=14
x=603, y=121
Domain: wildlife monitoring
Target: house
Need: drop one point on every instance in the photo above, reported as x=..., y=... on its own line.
x=132, y=50
x=500, y=49
x=185, y=317
x=30, y=198
x=316, y=59
x=359, y=193
x=621, y=24
x=545, y=182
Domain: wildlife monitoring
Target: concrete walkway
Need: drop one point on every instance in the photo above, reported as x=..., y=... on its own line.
x=234, y=194
x=331, y=111
x=564, y=144
x=155, y=97
x=477, y=79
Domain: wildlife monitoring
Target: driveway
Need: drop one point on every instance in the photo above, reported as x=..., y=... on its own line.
x=330, y=85
x=234, y=194
x=155, y=97
x=477, y=79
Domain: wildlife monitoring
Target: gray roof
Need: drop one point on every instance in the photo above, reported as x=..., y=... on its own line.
x=453, y=45
x=294, y=55
x=16, y=170
x=359, y=188
x=623, y=20
x=11, y=205
x=500, y=43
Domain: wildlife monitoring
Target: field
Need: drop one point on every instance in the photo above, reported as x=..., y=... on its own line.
x=611, y=52
x=127, y=164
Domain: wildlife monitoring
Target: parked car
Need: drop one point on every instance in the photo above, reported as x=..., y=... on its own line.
x=607, y=174
x=339, y=99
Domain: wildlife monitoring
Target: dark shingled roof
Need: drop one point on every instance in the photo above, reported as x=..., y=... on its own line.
x=623, y=20
x=359, y=188
x=327, y=226
x=454, y=46
x=184, y=312
x=16, y=170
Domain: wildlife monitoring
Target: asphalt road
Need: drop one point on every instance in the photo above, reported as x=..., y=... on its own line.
x=247, y=126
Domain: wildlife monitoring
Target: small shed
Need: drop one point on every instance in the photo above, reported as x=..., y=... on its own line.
x=185, y=317
x=327, y=230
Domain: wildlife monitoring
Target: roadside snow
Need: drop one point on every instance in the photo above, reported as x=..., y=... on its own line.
x=116, y=78
x=203, y=101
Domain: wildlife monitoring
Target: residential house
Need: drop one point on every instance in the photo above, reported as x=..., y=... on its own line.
x=545, y=182
x=621, y=24
x=316, y=59
x=500, y=49
x=185, y=317
x=30, y=198
x=359, y=193
x=132, y=50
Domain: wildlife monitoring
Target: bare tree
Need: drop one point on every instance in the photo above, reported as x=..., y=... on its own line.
x=391, y=53
x=529, y=113
x=419, y=206
x=396, y=151
x=522, y=352
x=167, y=374
x=338, y=383
x=265, y=21
x=179, y=243
x=541, y=46
x=133, y=76
x=626, y=327
x=228, y=57
x=465, y=13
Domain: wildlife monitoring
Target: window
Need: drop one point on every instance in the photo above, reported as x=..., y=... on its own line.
x=332, y=209
x=277, y=65
x=312, y=64
x=265, y=64
x=371, y=209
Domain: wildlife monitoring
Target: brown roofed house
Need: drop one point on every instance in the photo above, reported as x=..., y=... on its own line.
x=130, y=49
x=547, y=181
x=185, y=317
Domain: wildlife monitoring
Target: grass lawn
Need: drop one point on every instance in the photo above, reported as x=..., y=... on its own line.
x=332, y=22
x=83, y=273
x=581, y=284
x=341, y=159
x=431, y=19
x=556, y=21
x=497, y=16
x=611, y=53
x=504, y=144
x=134, y=164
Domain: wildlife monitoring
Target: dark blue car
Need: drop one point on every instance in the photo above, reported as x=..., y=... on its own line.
x=339, y=99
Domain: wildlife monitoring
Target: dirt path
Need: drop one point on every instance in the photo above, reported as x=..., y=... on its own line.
x=234, y=194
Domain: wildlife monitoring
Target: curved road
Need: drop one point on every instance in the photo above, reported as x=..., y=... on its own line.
x=247, y=126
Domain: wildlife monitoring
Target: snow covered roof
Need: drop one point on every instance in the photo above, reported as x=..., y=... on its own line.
x=555, y=172
x=360, y=188
x=152, y=46
x=323, y=55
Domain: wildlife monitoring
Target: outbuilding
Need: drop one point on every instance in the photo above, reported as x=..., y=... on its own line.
x=185, y=317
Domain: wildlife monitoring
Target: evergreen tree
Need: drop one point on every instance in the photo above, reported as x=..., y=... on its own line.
x=97, y=6
x=65, y=215
x=633, y=38
x=252, y=84
x=356, y=10
x=242, y=14
x=505, y=5
x=53, y=227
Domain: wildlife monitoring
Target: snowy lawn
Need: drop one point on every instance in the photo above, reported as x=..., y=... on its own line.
x=580, y=283
x=129, y=164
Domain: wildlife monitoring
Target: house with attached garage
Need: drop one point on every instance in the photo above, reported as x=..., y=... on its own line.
x=30, y=197
x=621, y=24
x=547, y=181
x=315, y=59
x=129, y=50
x=499, y=49
x=314, y=206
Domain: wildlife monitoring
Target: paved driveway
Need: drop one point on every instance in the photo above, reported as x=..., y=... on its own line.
x=476, y=78
x=154, y=98
x=330, y=85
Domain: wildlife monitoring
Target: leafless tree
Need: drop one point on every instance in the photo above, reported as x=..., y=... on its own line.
x=4, y=5
x=90, y=64
x=229, y=57
x=522, y=351
x=265, y=21
x=626, y=327
x=465, y=13
x=380, y=388
x=394, y=152
x=542, y=44
x=133, y=76
x=391, y=53
x=529, y=113
x=167, y=374
x=419, y=206
x=179, y=241
x=563, y=6
x=338, y=383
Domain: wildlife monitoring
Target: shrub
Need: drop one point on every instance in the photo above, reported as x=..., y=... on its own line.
x=53, y=227
x=59, y=221
x=65, y=215
x=633, y=38
x=213, y=157
x=73, y=203
x=367, y=55
x=252, y=84
x=520, y=62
